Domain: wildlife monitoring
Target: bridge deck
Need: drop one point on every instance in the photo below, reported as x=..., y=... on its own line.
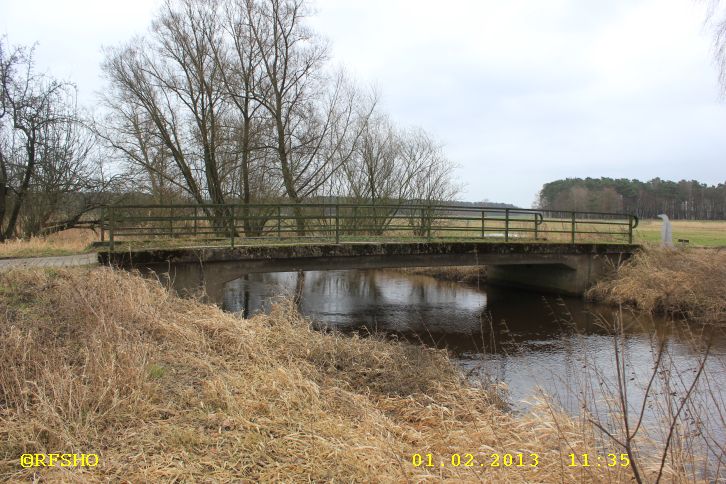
x=278, y=258
x=559, y=268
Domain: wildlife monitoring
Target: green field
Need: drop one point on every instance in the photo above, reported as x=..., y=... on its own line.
x=697, y=232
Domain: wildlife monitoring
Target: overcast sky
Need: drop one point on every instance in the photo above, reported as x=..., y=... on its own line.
x=519, y=92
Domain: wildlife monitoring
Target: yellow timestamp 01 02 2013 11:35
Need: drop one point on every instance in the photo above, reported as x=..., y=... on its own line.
x=518, y=459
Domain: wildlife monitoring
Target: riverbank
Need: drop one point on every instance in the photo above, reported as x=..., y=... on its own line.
x=685, y=282
x=161, y=388
x=465, y=274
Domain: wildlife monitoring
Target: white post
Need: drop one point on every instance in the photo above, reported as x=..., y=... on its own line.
x=666, y=234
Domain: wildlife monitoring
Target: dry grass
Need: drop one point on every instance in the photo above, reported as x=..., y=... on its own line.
x=73, y=241
x=685, y=282
x=167, y=389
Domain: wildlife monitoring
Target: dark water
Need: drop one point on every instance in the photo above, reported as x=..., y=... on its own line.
x=527, y=340
x=531, y=343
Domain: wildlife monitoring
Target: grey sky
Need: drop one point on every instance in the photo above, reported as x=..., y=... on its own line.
x=520, y=92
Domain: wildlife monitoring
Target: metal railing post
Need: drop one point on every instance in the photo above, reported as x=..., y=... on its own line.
x=573, y=227
x=103, y=224
x=279, y=222
x=111, y=228
x=506, y=225
x=231, y=226
x=630, y=229
x=337, y=224
x=171, y=222
x=483, y=223
x=355, y=221
x=196, y=216
x=535, y=226
x=429, y=221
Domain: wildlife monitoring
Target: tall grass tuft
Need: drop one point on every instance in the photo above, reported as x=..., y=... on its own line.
x=684, y=282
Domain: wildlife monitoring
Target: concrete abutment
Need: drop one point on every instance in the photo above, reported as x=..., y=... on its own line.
x=572, y=277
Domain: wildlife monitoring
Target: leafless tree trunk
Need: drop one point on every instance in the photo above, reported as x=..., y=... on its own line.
x=134, y=88
x=241, y=75
x=315, y=129
x=3, y=191
x=7, y=64
x=175, y=78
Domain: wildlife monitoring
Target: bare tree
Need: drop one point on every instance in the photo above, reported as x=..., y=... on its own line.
x=174, y=82
x=716, y=20
x=147, y=161
x=44, y=148
x=315, y=122
x=376, y=175
x=431, y=175
x=234, y=100
x=8, y=65
x=239, y=61
x=391, y=168
x=63, y=187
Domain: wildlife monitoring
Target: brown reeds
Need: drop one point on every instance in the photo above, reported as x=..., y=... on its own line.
x=684, y=282
x=659, y=409
x=169, y=389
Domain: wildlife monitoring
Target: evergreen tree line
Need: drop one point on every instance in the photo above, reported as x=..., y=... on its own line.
x=689, y=200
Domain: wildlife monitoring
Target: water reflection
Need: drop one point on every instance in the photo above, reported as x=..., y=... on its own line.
x=463, y=319
x=366, y=301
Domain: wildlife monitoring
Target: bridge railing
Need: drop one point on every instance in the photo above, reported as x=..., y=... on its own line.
x=287, y=222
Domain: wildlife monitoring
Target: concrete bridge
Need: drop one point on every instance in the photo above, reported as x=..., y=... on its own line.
x=556, y=251
x=567, y=269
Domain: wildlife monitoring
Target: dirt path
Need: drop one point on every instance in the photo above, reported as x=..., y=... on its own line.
x=59, y=261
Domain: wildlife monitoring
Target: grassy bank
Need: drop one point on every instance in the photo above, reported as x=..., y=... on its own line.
x=684, y=282
x=162, y=388
x=68, y=242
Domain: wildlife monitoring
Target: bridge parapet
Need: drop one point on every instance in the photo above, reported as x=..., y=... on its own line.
x=244, y=224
